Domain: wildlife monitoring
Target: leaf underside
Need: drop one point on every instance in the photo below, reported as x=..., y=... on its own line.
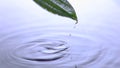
x=60, y=7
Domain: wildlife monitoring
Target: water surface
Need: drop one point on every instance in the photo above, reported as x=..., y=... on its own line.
x=33, y=38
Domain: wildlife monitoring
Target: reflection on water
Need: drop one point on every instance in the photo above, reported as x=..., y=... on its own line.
x=33, y=42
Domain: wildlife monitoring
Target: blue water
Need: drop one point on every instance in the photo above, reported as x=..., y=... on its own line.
x=31, y=37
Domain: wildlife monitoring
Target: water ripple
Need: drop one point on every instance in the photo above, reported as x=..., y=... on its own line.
x=42, y=50
x=28, y=48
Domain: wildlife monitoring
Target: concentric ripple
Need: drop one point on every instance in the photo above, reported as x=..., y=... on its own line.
x=28, y=48
x=42, y=50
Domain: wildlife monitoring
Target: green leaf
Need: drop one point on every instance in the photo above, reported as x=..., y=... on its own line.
x=60, y=7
